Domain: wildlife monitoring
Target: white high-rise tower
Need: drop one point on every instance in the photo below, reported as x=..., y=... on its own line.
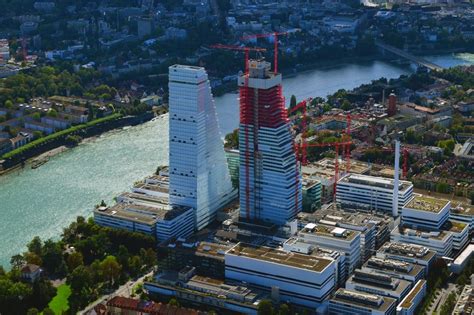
x=199, y=176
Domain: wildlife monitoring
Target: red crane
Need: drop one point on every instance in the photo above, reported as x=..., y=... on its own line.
x=246, y=50
x=336, y=146
x=275, y=44
x=303, y=106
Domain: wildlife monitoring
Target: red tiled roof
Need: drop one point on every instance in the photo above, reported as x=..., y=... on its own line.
x=149, y=307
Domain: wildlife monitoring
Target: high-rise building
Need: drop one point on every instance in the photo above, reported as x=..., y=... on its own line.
x=199, y=176
x=270, y=182
x=392, y=105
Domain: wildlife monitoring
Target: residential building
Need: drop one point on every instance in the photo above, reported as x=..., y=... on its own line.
x=30, y=272
x=199, y=176
x=410, y=302
x=270, y=183
x=335, y=238
x=377, y=283
x=123, y=305
x=375, y=193
x=412, y=253
x=350, y=302
x=5, y=146
x=306, y=280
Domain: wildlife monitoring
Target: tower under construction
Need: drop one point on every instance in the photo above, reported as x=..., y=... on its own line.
x=270, y=181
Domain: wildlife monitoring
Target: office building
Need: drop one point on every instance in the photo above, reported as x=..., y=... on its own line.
x=412, y=253
x=377, y=283
x=311, y=194
x=335, y=238
x=350, y=302
x=395, y=268
x=426, y=212
x=463, y=212
x=270, y=183
x=440, y=242
x=296, y=245
x=162, y=223
x=464, y=258
x=305, y=280
x=372, y=193
x=199, y=176
x=409, y=304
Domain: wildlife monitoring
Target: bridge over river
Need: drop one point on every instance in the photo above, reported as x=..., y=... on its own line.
x=418, y=60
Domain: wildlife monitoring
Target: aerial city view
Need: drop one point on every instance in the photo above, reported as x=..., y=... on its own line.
x=267, y=157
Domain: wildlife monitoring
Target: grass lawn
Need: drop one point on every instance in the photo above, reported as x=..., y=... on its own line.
x=60, y=303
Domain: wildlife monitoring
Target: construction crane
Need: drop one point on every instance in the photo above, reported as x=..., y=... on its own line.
x=275, y=44
x=244, y=94
x=336, y=146
x=302, y=106
x=246, y=50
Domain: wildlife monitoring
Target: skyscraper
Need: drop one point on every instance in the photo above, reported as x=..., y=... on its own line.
x=270, y=182
x=199, y=176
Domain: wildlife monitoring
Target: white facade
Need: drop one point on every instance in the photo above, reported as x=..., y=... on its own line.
x=413, y=299
x=199, y=176
x=426, y=212
x=301, y=279
x=350, y=302
x=373, y=192
x=440, y=241
x=345, y=241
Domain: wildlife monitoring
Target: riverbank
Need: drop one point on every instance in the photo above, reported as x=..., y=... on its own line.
x=60, y=139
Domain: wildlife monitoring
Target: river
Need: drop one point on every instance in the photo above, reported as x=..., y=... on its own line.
x=43, y=201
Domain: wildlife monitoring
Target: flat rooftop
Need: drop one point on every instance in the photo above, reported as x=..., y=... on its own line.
x=426, y=203
x=141, y=214
x=393, y=265
x=308, y=262
x=408, y=250
x=154, y=200
x=373, y=181
x=330, y=231
x=338, y=217
x=434, y=235
x=463, y=209
x=361, y=299
x=212, y=250
x=408, y=300
x=152, y=187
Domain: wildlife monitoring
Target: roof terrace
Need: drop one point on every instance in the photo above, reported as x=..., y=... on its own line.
x=426, y=203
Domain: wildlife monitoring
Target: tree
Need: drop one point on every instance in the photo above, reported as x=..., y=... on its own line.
x=53, y=259
x=8, y=104
x=471, y=196
x=75, y=260
x=32, y=258
x=284, y=310
x=80, y=278
x=37, y=134
x=35, y=246
x=292, y=101
x=174, y=302
x=48, y=311
x=32, y=311
x=265, y=307
x=17, y=261
x=52, y=113
x=110, y=269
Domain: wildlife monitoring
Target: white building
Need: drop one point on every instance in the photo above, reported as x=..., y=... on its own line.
x=306, y=280
x=335, y=238
x=439, y=241
x=412, y=253
x=372, y=192
x=463, y=212
x=351, y=302
x=162, y=223
x=199, y=177
x=395, y=268
x=377, y=283
x=409, y=304
x=426, y=212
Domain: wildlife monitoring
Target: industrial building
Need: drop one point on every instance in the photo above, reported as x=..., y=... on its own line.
x=270, y=183
x=372, y=193
x=352, y=302
x=335, y=238
x=199, y=176
x=306, y=280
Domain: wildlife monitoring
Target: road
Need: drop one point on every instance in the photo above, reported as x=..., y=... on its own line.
x=439, y=301
x=124, y=290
